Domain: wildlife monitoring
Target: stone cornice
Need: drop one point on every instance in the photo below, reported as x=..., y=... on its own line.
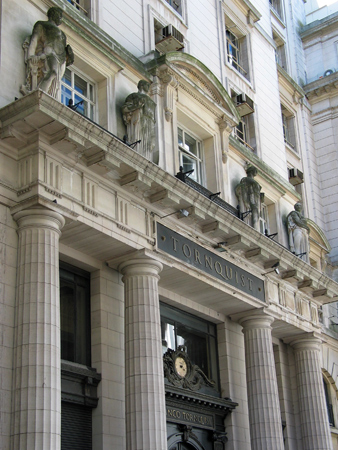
x=318, y=26
x=322, y=87
x=289, y=83
x=325, y=243
x=205, y=86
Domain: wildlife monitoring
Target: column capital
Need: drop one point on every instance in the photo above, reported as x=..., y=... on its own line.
x=255, y=318
x=39, y=217
x=305, y=341
x=139, y=263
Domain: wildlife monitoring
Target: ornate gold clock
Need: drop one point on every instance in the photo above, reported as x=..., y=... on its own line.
x=181, y=366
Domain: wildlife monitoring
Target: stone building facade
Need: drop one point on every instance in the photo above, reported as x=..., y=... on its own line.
x=141, y=308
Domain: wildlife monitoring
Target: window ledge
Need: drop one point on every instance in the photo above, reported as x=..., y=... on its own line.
x=293, y=151
x=76, y=376
x=277, y=17
x=181, y=17
x=242, y=77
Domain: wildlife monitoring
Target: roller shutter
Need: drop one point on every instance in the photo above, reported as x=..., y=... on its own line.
x=76, y=427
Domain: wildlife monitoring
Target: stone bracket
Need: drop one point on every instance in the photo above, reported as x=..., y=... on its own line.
x=165, y=197
x=136, y=179
x=104, y=159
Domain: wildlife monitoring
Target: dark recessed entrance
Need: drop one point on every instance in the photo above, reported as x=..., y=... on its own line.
x=194, y=407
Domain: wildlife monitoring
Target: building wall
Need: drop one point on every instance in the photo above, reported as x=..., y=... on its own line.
x=111, y=198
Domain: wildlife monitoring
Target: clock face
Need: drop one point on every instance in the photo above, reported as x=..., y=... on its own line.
x=181, y=366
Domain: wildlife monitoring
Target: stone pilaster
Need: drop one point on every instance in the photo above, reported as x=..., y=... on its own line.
x=37, y=376
x=311, y=397
x=145, y=398
x=264, y=409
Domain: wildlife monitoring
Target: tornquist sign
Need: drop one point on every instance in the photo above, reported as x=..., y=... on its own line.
x=197, y=256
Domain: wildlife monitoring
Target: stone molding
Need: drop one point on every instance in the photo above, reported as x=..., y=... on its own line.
x=97, y=144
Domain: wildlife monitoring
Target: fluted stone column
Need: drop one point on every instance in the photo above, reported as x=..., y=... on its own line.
x=37, y=380
x=312, y=404
x=264, y=409
x=145, y=398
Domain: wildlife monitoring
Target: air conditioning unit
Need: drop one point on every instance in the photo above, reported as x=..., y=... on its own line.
x=172, y=40
x=244, y=105
x=296, y=177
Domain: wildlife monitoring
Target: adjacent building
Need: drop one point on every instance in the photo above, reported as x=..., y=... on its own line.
x=169, y=212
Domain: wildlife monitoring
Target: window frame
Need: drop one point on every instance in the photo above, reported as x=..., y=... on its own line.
x=328, y=401
x=277, y=7
x=92, y=103
x=179, y=9
x=81, y=6
x=289, y=128
x=69, y=273
x=243, y=135
x=235, y=61
x=198, y=176
x=200, y=326
x=264, y=219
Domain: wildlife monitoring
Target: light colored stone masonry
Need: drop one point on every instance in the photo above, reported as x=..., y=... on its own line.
x=312, y=404
x=145, y=399
x=8, y=262
x=233, y=382
x=36, y=422
x=264, y=408
x=107, y=326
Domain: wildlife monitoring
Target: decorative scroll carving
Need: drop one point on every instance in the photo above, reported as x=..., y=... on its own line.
x=225, y=129
x=220, y=440
x=170, y=85
x=193, y=76
x=187, y=433
x=180, y=372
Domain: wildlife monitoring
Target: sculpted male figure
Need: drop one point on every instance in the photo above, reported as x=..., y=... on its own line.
x=47, y=54
x=249, y=195
x=139, y=116
x=298, y=233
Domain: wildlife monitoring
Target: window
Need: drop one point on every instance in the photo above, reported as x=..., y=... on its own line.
x=176, y=5
x=244, y=132
x=199, y=336
x=328, y=403
x=75, y=315
x=241, y=132
x=264, y=219
x=280, y=56
x=332, y=316
x=190, y=155
x=289, y=131
x=237, y=55
x=78, y=93
x=277, y=7
x=81, y=5
x=280, y=52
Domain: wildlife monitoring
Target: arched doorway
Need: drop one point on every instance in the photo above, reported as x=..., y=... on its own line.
x=184, y=441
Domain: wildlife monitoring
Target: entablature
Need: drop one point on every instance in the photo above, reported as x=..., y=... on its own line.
x=107, y=160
